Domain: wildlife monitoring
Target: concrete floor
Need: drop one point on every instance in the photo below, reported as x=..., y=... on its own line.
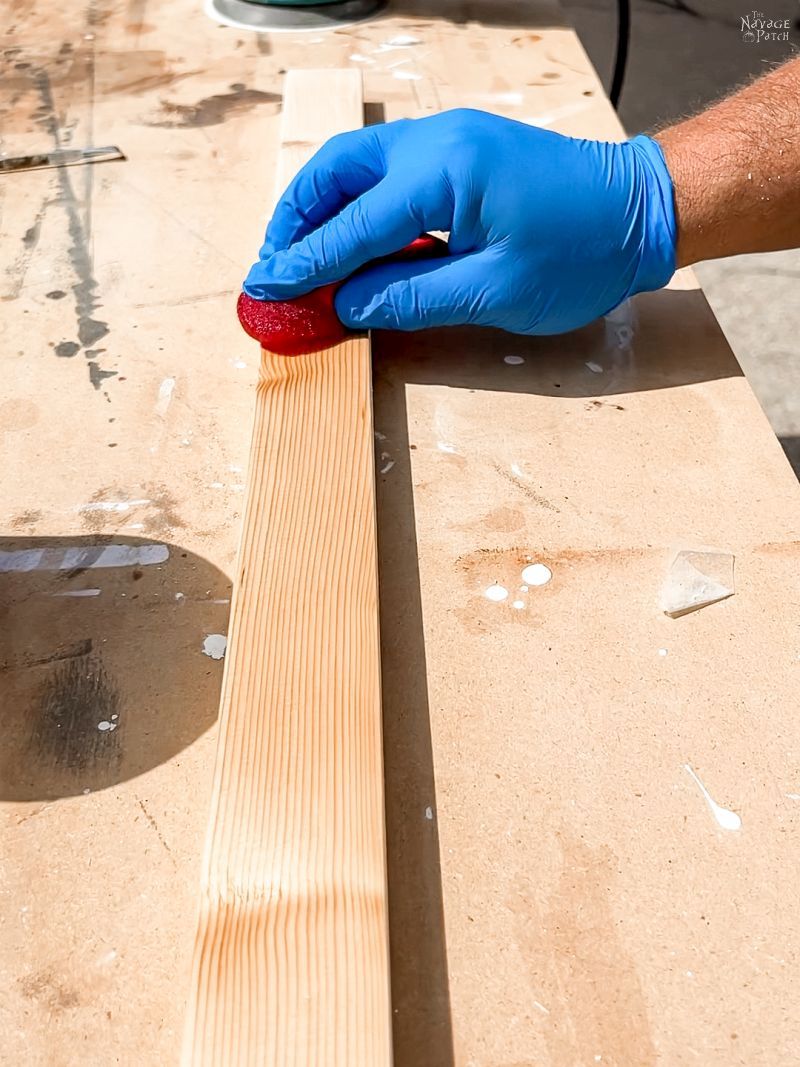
x=684, y=55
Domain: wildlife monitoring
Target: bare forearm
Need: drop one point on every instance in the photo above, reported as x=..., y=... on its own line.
x=736, y=171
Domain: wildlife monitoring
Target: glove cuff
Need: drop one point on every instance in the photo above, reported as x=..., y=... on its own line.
x=659, y=236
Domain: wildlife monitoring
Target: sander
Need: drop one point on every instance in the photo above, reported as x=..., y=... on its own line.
x=270, y=16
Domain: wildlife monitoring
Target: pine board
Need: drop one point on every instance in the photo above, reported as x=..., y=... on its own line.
x=291, y=961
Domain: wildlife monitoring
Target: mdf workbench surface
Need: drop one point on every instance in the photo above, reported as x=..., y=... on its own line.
x=560, y=891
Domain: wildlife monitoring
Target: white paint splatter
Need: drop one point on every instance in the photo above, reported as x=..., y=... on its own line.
x=517, y=471
x=387, y=466
x=239, y=364
x=726, y=818
x=401, y=41
x=380, y=436
x=78, y=593
x=165, y=391
x=93, y=556
x=514, y=361
x=537, y=574
x=595, y=368
x=407, y=76
x=216, y=485
x=523, y=589
x=114, y=718
x=356, y=57
x=113, y=505
x=134, y=526
x=518, y=604
x=496, y=592
x=445, y=446
x=237, y=487
x=105, y=725
x=793, y=796
x=541, y=1008
x=662, y=652
x=180, y=596
x=215, y=645
x=429, y=814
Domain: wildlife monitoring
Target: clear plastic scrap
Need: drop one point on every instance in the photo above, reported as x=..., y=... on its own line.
x=696, y=579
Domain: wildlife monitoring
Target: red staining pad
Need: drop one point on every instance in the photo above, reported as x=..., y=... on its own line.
x=293, y=327
x=309, y=323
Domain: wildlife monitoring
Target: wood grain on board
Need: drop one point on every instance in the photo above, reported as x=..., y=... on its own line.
x=291, y=963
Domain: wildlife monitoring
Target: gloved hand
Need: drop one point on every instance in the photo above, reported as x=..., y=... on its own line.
x=546, y=232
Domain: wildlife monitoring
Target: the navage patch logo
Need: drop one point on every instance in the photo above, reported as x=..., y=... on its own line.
x=756, y=27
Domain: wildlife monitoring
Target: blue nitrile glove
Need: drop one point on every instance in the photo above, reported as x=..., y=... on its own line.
x=546, y=232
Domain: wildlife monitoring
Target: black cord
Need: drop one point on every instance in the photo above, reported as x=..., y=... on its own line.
x=621, y=57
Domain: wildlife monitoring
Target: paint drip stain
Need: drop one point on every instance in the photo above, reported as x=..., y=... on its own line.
x=537, y=574
x=726, y=818
x=215, y=645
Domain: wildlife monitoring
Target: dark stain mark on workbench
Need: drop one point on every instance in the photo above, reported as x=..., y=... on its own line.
x=45, y=988
x=155, y=828
x=97, y=375
x=526, y=489
x=165, y=516
x=575, y=944
x=76, y=719
x=67, y=349
x=31, y=236
x=17, y=270
x=26, y=519
x=90, y=329
x=213, y=110
x=56, y=294
x=263, y=45
x=73, y=650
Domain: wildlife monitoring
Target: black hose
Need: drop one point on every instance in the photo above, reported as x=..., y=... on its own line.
x=621, y=57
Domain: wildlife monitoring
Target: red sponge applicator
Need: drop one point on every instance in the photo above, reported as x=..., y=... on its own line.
x=309, y=323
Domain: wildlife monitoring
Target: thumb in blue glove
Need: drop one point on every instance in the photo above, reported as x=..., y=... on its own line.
x=546, y=232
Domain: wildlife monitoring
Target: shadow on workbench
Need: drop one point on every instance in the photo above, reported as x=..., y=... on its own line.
x=659, y=340
x=422, y=1028
x=102, y=672
x=512, y=13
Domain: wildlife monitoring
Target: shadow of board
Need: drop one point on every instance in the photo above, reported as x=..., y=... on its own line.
x=97, y=687
x=515, y=14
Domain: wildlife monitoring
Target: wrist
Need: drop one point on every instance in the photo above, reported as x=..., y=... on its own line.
x=655, y=197
x=682, y=166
